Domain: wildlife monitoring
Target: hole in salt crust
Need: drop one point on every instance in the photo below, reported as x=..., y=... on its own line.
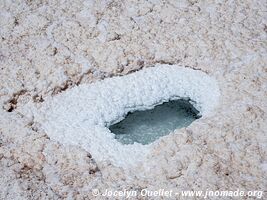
x=105, y=116
x=149, y=125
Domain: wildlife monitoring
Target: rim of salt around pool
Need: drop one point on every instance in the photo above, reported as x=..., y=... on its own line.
x=81, y=115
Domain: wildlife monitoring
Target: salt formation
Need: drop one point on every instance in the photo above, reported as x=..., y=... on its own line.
x=48, y=47
x=81, y=115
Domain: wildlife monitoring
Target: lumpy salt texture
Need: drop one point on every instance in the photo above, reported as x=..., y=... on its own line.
x=147, y=126
x=81, y=115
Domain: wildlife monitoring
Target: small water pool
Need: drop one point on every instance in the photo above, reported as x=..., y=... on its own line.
x=147, y=126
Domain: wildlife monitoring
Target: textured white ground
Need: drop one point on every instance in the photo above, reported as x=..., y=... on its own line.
x=48, y=47
x=81, y=115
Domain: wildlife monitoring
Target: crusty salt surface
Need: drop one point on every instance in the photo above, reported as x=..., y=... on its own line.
x=81, y=115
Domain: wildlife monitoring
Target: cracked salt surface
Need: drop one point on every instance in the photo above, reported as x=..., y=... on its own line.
x=81, y=115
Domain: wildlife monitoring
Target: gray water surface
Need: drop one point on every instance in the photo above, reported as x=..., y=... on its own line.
x=147, y=126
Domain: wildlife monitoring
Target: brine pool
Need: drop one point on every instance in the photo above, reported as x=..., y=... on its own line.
x=147, y=126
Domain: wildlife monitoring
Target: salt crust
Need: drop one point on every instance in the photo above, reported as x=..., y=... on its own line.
x=81, y=115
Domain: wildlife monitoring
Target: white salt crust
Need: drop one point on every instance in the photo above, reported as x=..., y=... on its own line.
x=81, y=115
